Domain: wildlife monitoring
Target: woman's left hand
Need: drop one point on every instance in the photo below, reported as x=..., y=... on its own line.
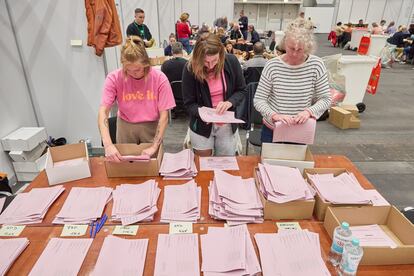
x=302, y=117
x=150, y=151
x=223, y=107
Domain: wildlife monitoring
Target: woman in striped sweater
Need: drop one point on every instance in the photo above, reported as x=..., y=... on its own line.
x=293, y=87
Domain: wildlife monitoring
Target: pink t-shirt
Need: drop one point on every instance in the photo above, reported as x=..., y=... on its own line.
x=138, y=100
x=216, y=89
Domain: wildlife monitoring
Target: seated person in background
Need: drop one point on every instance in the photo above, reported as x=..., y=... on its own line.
x=391, y=29
x=258, y=60
x=138, y=28
x=383, y=26
x=254, y=35
x=143, y=96
x=339, y=30
x=235, y=33
x=346, y=35
x=229, y=47
x=241, y=45
x=293, y=87
x=376, y=29
x=273, y=41
x=360, y=24
x=221, y=22
x=167, y=50
x=212, y=79
x=173, y=69
x=397, y=40
x=222, y=35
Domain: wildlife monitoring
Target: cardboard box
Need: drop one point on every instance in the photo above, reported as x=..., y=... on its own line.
x=24, y=139
x=59, y=173
x=298, y=209
x=392, y=221
x=320, y=204
x=33, y=155
x=132, y=169
x=351, y=108
x=297, y=156
x=343, y=119
x=31, y=166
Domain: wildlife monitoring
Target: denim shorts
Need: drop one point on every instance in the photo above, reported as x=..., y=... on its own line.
x=222, y=141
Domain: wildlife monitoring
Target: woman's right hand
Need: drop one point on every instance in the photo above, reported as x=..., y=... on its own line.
x=112, y=153
x=286, y=119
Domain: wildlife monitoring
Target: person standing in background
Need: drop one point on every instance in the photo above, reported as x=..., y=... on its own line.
x=243, y=24
x=138, y=28
x=184, y=32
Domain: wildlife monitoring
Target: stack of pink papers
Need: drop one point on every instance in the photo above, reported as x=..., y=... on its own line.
x=283, y=184
x=179, y=165
x=209, y=115
x=61, y=257
x=135, y=202
x=121, y=257
x=10, y=250
x=83, y=205
x=234, y=199
x=228, y=251
x=136, y=158
x=181, y=202
x=299, y=133
x=31, y=207
x=341, y=189
x=177, y=254
x=294, y=252
x=372, y=235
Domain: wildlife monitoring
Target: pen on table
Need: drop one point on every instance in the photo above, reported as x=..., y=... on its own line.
x=100, y=224
x=91, y=232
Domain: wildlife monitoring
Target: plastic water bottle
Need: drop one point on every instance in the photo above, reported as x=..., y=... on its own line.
x=341, y=237
x=351, y=257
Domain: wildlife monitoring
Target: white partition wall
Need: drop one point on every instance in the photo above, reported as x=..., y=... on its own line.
x=376, y=11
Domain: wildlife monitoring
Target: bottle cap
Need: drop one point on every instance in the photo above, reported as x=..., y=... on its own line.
x=355, y=242
x=345, y=225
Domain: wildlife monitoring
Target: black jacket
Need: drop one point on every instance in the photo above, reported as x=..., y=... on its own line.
x=398, y=39
x=134, y=30
x=197, y=94
x=255, y=37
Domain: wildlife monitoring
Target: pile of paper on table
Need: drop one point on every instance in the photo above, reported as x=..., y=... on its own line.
x=228, y=251
x=234, y=199
x=10, y=251
x=181, y=202
x=30, y=207
x=179, y=165
x=83, y=205
x=135, y=202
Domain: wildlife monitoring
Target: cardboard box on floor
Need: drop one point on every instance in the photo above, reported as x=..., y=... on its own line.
x=131, y=168
x=392, y=221
x=343, y=119
x=32, y=155
x=24, y=139
x=351, y=108
x=31, y=166
x=298, y=209
x=67, y=170
x=320, y=204
x=297, y=156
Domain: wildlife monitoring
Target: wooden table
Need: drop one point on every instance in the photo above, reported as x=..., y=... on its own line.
x=40, y=234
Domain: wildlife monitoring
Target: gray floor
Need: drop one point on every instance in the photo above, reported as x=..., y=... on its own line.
x=383, y=148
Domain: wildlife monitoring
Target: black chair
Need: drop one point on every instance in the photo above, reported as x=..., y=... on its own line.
x=112, y=129
x=178, y=97
x=255, y=121
x=252, y=74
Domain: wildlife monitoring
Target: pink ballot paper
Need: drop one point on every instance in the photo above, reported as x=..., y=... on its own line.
x=209, y=115
x=141, y=158
x=299, y=133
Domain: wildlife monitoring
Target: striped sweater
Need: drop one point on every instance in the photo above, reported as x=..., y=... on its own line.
x=289, y=89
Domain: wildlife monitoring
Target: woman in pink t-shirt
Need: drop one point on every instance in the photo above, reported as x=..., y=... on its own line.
x=144, y=97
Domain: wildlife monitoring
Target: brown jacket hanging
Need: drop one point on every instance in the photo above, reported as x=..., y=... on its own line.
x=104, y=29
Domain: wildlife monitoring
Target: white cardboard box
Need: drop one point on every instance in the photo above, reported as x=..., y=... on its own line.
x=67, y=170
x=24, y=139
x=31, y=166
x=24, y=156
x=296, y=156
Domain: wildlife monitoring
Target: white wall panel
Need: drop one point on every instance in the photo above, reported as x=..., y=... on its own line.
x=359, y=10
x=375, y=11
x=392, y=10
x=207, y=12
x=167, y=18
x=344, y=11
x=321, y=17
x=224, y=8
x=405, y=14
x=191, y=6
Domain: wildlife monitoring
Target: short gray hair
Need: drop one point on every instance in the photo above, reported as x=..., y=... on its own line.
x=299, y=31
x=177, y=48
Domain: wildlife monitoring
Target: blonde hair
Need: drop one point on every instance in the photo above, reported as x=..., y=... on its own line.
x=207, y=45
x=299, y=31
x=184, y=16
x=134, y=51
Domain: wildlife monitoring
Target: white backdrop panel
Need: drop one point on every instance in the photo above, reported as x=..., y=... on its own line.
x=392, y=10
x=344, y=11
x=321, y=17
x=207, y=12
x=405, y=14
x=359, y=10
x=224, y=8
x=375, y=10
x=191, y=6
x=167, y=18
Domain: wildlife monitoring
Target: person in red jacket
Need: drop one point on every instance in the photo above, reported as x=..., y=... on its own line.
x=184, y=32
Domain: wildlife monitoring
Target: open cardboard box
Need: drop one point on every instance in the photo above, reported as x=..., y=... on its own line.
x=24, y=139
x=135, y=168
x=298, y=209
x=67, y=163
x=392, y=221
x=297, y=156
x=321, y=205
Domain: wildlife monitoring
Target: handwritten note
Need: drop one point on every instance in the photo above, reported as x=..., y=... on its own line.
x=130, y=230
x=11, y=230
x=74, y=230
x=181, y=227
x=283, y=226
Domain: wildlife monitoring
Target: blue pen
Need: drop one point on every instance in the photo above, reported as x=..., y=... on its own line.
x=100, y=224
x=90, y=234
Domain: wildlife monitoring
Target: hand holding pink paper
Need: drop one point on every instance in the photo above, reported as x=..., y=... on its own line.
x=297, y=133
x=209, y=115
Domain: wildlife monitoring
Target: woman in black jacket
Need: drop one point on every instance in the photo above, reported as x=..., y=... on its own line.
x=212, y=79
